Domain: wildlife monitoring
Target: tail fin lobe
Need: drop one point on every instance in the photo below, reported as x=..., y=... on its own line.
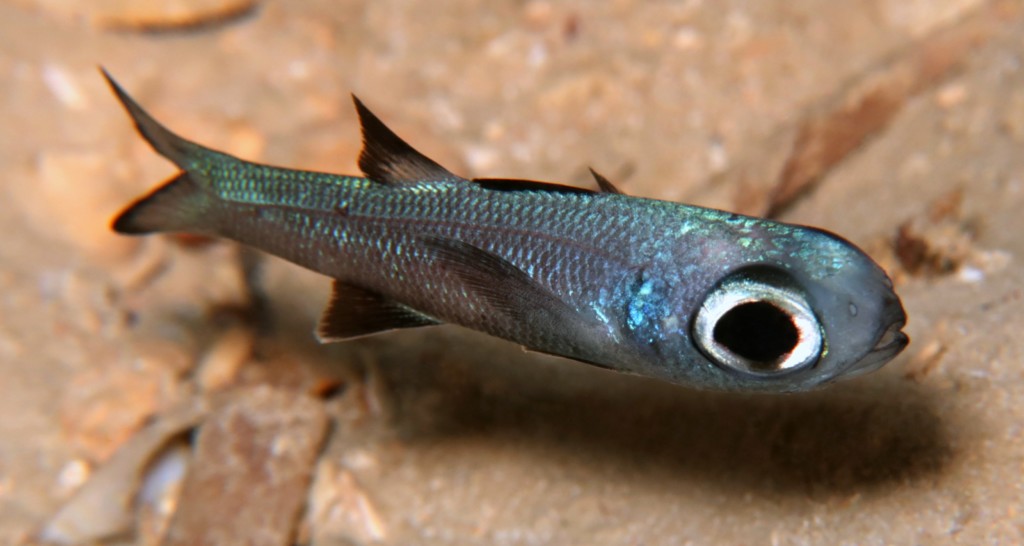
x=179, y=150
x=177, y=205
x=180, y=203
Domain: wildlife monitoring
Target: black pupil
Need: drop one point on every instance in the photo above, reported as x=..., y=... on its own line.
x=757, y=331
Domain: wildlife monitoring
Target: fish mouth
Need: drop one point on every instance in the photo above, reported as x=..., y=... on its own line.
x=889, y=344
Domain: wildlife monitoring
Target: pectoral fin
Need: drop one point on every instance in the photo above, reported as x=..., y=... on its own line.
x=354, y=312
x=505, y=288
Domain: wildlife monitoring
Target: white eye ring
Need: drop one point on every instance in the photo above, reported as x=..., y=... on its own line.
x=803, y=343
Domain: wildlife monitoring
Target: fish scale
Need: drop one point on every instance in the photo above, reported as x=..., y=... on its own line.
x=636, y=285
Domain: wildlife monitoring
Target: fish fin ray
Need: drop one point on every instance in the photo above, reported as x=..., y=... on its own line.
x=388, y=159
x=603, y=182
x=355, y=312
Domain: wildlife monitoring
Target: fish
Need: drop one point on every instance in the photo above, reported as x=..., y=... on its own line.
x=694, y=296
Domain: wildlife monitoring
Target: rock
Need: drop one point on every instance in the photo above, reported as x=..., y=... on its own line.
x=341, y=509
x=147, y=14
x=105, y=406
x=220, y=365
x=253, y=462
x=159, y=493
x=102, y=508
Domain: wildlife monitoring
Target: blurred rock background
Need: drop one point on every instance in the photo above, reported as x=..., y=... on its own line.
x=168, y=390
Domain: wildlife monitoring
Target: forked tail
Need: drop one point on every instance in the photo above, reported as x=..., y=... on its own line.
x=179, y=204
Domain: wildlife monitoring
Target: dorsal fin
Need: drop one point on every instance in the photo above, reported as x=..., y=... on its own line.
x=512, y=184
x=603, y=183
x=388, y=159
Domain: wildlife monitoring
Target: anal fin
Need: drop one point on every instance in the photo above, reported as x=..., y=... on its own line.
x=355, y=312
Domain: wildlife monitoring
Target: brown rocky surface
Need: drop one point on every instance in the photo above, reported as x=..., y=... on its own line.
x=442, y=436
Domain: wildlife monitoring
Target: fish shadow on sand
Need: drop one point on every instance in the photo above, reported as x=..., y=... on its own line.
x=849, y=438
x=448, y=383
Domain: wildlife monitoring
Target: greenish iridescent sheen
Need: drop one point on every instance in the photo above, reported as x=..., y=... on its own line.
x=600, y=277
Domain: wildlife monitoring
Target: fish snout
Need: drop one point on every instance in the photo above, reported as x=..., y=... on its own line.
x=890, y=343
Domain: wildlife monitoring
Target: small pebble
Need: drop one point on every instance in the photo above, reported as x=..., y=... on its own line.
x=64, y=87
x=161, y=488
x=951, y=95
x=687, y=39
x=73, y=475
x=219, y=367
x=538, y=13
x=970, y=274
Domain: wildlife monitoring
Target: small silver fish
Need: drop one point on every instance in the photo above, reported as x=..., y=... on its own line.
x=694, y=296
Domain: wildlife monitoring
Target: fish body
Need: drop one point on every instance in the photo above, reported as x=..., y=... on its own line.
x=694, y=296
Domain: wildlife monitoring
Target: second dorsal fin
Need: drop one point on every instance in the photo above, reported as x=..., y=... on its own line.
x=513, y=184
x=388, y=159
x=603, y=183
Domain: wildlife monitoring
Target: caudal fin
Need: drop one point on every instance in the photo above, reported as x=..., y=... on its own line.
x=182, y=152
x=175, y=206
x=179, y=204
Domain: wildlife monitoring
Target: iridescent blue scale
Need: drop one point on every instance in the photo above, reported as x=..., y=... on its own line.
x=617, y=281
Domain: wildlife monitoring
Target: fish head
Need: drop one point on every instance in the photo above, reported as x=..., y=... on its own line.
x=817, y=311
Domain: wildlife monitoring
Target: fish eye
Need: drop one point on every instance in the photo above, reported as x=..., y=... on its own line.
x=757, y=321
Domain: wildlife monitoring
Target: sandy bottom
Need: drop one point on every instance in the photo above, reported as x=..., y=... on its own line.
x=175, y=386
